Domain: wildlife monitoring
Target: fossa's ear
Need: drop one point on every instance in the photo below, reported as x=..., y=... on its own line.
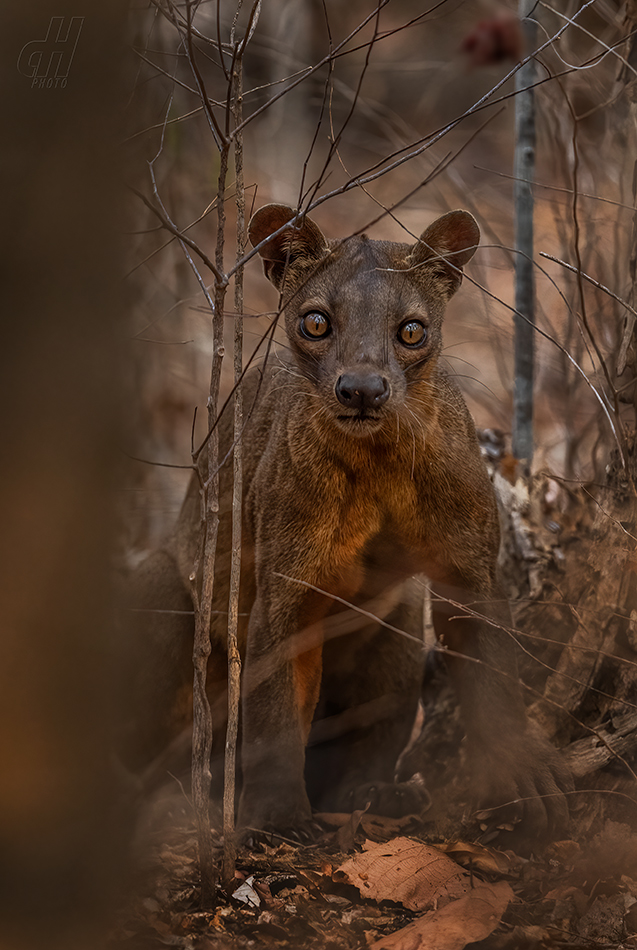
x=301, y=241
x=450, y=242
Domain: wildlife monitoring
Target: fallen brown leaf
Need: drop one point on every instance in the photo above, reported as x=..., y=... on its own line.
x=466, y=920
x=381, y=828
x=334, y=819
x=345, y=836
x=565, y=892
x=478, y=856
x=408, y=872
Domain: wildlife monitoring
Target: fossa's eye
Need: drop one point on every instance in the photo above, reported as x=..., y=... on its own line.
x=315, y=325
x=412, y=333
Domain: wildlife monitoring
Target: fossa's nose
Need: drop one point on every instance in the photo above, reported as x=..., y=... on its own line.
x=362, y=390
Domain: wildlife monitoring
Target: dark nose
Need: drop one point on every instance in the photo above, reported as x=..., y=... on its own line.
x=362, y=390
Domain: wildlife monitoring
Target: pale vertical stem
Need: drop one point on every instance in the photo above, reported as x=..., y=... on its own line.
x=633, y=243
x=234, y=657
x=428, y=630
x=524, y=172
x=202, y=719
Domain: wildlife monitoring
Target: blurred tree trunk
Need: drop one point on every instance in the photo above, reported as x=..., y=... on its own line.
x=524, y=172
x=627, y=358
x=60, y=841
x=295, y=32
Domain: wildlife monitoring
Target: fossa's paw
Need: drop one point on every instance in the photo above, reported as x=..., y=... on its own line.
x=523, y=792
x=286, y=814
x=392, y=799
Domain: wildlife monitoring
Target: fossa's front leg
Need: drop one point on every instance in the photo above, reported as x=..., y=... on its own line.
x=371, y=686
x=280, y=691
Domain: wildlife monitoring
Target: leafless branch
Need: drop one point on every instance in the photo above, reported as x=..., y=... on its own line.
x=632, y=313
x=170, y=226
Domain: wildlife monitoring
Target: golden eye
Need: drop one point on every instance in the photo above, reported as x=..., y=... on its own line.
x=412, y=333
x=315, y=325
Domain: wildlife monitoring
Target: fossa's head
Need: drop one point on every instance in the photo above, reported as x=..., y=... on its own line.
x=364, y=318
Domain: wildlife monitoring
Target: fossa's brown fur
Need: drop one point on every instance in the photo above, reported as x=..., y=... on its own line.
x=361, y=469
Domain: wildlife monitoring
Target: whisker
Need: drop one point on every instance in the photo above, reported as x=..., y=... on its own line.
x=321, y=409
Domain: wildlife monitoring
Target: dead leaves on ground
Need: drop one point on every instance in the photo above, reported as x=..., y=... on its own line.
x=421, y=878
x=410, y=873
x=402, y=894
x=397, y=894
x=465, y=920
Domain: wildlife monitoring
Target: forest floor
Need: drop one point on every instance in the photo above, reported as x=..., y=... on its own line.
x=391, y=886
x=443, y=881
